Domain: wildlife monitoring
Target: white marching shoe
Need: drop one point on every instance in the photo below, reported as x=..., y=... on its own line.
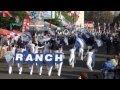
x=40, y=73
x=20, y=73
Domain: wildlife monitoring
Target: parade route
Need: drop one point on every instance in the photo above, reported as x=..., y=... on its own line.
x=67, y=71
x=59, y=45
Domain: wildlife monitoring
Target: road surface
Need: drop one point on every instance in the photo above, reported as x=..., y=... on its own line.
x=67, y=71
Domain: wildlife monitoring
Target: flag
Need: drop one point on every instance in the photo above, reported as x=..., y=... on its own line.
x=77, y=44
x=80, y=42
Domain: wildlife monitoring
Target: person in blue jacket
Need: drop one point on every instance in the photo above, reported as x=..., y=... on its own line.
x=108, y=69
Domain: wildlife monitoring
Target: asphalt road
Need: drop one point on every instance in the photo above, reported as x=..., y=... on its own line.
x=67, y=71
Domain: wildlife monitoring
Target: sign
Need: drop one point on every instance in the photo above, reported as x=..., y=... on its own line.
x=48, y=14
x=26, y=23
x=39, y=57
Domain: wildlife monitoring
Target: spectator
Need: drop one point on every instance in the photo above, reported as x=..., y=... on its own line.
x=108, y=69
x=115, y=60
x=96, y=76
x=117, y=71
x=83, y=75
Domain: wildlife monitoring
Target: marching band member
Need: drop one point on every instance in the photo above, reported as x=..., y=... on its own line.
x=21, y=49
x=19, y=64
x=13, y=49
x=81, y=49
x=9, y=56
x=72, y=57
x=36, y=48
x=59, y=66
x=48, y=50
x=32, y=46
x=50, y=65
x=90, y=58
x=66, y=40
x=31, y=63
x=46, y=47
x=40, y=64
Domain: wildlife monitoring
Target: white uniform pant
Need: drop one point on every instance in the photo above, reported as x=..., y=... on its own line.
x=72, y=60
x=49, y=68
x=89, y=62
x=10, y=64
x=40, y=67
x=81, y=51
x=31, y=68
x=59, y=67
x=20, y=67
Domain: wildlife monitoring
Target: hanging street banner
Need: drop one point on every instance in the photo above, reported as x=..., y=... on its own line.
x=26, y=23
x=48, y=14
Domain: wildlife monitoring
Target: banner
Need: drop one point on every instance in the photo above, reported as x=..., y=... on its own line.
x=26, y=23
x=39, y=57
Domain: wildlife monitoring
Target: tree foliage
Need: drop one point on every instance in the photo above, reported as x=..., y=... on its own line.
x=5, y=21
x=65, y=14
x=117, y=19
x=99, y=16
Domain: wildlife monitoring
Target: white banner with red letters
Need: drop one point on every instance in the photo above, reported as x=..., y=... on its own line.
x=26, y=23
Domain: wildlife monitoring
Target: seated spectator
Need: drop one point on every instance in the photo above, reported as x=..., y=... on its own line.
x=117, y=71
x=115, y=60
x=108, y=69
x=96, y=76
x=83, y=75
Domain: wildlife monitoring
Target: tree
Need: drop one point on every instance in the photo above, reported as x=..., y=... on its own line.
x=5, y=21
x=21, y=14
x=99, y=16
x=65, y=14
x=116, y=19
